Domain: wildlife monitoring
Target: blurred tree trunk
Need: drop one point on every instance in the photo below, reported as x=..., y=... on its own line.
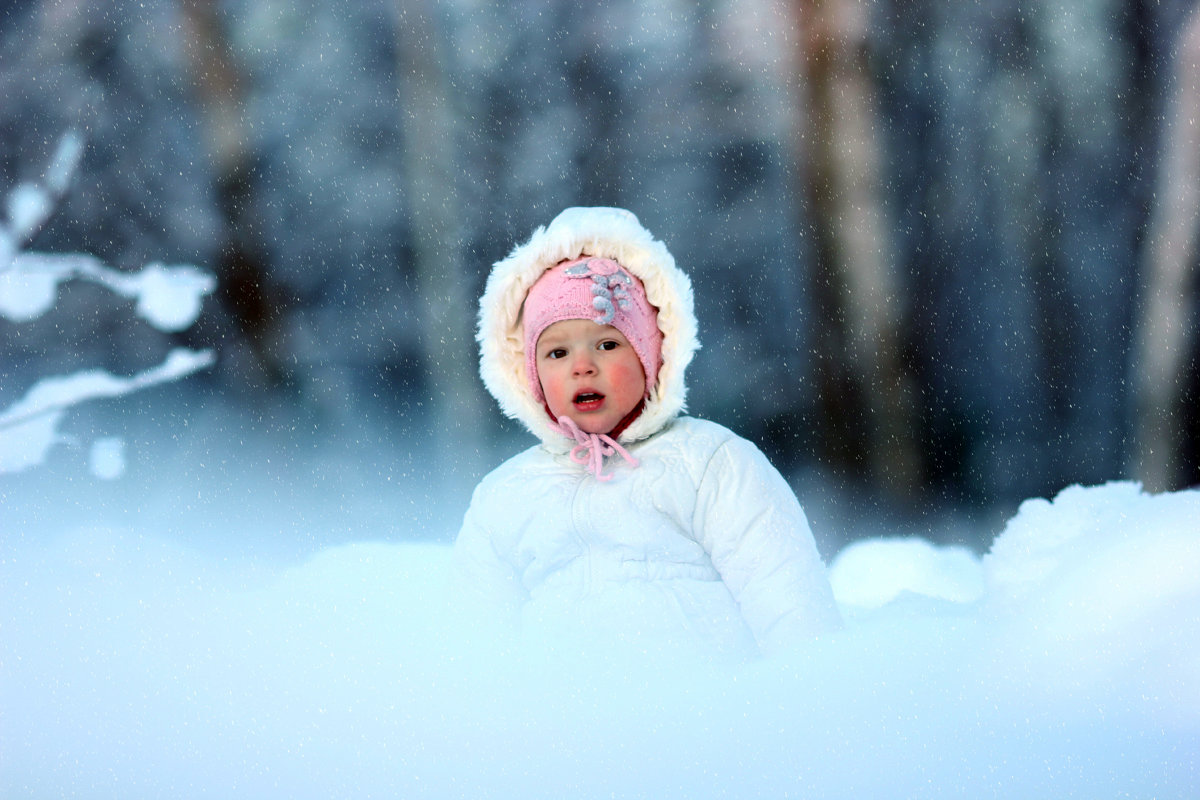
x=1163, y=340
x=866, y=416
x=245, y=287
x=436, y=230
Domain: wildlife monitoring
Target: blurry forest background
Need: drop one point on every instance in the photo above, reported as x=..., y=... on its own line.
x=944, y=252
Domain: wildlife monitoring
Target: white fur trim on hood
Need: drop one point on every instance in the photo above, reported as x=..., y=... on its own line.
x=603, y=232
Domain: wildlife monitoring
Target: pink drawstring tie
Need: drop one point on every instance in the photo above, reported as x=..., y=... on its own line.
x=597, y=445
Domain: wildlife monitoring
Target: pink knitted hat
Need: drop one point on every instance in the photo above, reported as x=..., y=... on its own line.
x=598, y=289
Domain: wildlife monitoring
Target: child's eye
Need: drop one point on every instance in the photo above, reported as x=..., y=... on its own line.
x=609, y=344
x=557, y=352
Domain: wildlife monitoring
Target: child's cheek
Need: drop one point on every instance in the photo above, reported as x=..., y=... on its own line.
x=547, y=378
x=629, y=375
x=551, y=382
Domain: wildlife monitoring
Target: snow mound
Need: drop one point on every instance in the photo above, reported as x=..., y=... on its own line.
x=1064, y=664
x=1100, y=589
x=871, y=573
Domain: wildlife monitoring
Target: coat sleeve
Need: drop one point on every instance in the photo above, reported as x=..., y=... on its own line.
x=756, y=533
x=486, y=591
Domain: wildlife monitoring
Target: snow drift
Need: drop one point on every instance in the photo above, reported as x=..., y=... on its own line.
x=1065, y=662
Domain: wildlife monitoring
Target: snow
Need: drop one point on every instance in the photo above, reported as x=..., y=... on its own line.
x=1064, y=662
x=28, y=207
x=107, y=458
x=168, y=297
x=29, y=287
x=874, y=572
x=29, y=427
x=67, y=155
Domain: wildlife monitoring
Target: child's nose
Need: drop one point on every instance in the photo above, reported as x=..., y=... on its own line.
x=584, y=364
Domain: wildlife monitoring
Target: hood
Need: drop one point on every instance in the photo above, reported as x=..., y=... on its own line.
x=604, y=232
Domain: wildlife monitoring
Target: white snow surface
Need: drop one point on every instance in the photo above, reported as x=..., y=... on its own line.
x=873, y=572
x=1063, y=663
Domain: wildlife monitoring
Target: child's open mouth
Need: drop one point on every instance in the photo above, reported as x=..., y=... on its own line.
x=588, y=401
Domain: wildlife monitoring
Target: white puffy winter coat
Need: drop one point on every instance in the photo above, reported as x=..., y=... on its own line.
x=701, y=544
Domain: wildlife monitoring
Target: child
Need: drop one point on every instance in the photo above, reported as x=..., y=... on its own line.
x=628, y=521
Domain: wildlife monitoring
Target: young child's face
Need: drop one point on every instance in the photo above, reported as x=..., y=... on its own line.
x=589, y=373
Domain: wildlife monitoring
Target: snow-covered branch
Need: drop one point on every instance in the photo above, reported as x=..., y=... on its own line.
x=29, y=428
x=29, y=205
x=168, y=297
